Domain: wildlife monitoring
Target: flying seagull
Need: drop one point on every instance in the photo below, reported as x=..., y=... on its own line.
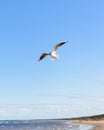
x=53, y=54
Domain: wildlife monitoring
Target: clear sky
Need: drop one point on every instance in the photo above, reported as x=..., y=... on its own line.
x=73, y=85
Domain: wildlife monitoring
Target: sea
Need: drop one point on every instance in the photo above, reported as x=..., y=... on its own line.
x=41, y=125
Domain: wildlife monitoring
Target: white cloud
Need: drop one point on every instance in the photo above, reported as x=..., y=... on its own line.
x=59, y=108
x=2, y=111
x=24, y=110
x=49, y=111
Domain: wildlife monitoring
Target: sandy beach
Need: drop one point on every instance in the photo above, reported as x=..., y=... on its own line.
x=99, y=124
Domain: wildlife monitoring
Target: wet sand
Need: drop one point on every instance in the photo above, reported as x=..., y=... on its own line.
x=99, y=124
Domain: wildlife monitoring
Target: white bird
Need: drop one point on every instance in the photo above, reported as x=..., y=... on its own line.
x=53, y=54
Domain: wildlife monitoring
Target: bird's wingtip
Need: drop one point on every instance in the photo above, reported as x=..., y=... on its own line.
x=38, y=60
x=66, y=41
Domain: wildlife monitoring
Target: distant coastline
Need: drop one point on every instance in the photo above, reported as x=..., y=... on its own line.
x=96, y=120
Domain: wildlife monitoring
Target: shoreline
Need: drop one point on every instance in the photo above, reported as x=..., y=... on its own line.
x=98, y=124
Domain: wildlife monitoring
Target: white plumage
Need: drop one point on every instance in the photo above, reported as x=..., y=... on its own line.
x=53, y=54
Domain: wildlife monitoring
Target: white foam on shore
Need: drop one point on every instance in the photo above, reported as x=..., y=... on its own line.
x=82, y=126
x=85, y=127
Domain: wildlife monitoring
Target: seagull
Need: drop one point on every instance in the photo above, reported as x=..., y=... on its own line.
x=53, y=54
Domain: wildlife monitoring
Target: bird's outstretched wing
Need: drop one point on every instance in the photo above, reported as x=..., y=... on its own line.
x=58, y=45
x=43, y=55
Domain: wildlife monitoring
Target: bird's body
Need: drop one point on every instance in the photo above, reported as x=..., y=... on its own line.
x=53, y=54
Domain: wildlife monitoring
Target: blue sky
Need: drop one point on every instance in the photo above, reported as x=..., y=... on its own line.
x=73, y=85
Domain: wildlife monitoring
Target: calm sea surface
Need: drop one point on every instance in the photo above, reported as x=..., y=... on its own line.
x=41, y=125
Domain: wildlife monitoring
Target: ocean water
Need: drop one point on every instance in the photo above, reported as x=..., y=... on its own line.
x=41, y=125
